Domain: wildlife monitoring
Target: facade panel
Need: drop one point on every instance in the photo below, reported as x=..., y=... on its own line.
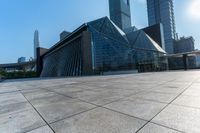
x=66, y=61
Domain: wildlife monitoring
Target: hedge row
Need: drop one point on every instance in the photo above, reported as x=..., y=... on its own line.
x=16, y=75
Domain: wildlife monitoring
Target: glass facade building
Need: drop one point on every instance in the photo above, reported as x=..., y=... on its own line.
x=148, y=55
x=100, y=46
x=120, y=13
x=162, y=11
x=184, y=44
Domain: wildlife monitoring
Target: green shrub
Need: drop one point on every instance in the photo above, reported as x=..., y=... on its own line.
x=17, y=74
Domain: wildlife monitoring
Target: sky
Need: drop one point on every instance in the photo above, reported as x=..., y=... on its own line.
x=20, y=18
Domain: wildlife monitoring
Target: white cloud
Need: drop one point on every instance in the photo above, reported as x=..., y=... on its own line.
x=193, y=10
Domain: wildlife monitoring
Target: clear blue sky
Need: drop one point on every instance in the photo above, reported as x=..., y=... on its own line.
x=19, y=19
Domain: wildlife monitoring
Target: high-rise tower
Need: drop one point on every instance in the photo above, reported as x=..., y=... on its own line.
x=120, y=13
x=162, y=11
x=36, y=43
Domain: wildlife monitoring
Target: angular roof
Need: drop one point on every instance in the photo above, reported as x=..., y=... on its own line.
x=109, y=29
x=140, y=40
x=135, y=39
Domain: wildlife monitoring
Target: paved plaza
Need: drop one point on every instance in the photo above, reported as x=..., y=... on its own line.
x=164, y=102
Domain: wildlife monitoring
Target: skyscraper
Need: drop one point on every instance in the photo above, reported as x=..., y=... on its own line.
x=120, y=13
x=162, y=11
x=36, y=43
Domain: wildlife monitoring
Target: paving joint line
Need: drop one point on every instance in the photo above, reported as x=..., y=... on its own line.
x=91, y=82
x=124, y=114
x=39, y=113
x=102, y=106
x=90, y=102
x=147, y=121
x=37, y=88
x=97, y=106
x=166, y=105
x=71, y=97
x=74, y=115
x=166, y=127
x=35, y=129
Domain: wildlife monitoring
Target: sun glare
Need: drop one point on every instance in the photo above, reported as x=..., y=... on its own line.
x=194, y=9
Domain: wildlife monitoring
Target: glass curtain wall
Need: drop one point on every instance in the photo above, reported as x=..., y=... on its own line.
x=110, y=49
x=65, y=61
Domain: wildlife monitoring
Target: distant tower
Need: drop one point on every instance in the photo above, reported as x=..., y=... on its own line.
x=120, y=13
x=36, y=43
x=162, y=11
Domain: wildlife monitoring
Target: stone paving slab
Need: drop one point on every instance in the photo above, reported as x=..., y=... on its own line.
x=165, y=102
x=11, y=98
x=8, y=89
x=193, y=90
x=19, y=122
x=153, y=128
x=189, y=101
x=44, y=129
x=139, y=108
x=99, y=120
x=155, y=96
x=181, y=118
x=171, y=87
x=56, y=107
x=11, y=103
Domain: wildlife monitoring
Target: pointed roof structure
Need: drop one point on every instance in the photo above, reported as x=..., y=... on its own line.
x=109, y=29
x=104, y=26
x=140, y=40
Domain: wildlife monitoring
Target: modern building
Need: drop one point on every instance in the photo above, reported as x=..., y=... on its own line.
x=21, y=59
x=120, y=13
x=147, y=54
x=162, y=11
x=100, y=46
x=184, y=44
x=64, y=34
x=36, y=43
